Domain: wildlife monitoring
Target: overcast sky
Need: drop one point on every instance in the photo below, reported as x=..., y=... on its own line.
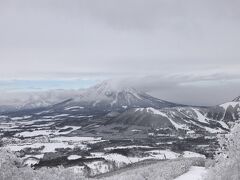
x=180, y=50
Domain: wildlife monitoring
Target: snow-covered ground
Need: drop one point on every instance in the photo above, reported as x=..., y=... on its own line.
x=48, y=147
x=47, y=132
x=195, y=173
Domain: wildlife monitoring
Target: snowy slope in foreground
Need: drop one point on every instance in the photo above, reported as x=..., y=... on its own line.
x=195, y=173
x=160, y=170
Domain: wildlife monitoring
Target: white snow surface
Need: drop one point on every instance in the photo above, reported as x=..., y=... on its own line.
x=38, y=156
x=178, y=126
x=156, y=111
x=201, y=117
x=97, y=167
x=31, y=161
x=126, y=147
x=73, y=108
x=136, y=130
x=223, y=124
x=195, y=173
x=74, y=157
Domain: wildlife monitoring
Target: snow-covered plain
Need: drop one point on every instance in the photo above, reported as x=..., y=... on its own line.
x=55, y=143
x=47, y=147
x=189, y=154
x=126, y=147
x=47, y=132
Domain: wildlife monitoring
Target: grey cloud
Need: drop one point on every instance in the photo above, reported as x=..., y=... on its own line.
x=161, y=38
x=207, y=90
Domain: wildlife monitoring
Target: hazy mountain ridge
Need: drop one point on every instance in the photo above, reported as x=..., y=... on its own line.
x=15, y=101
x=137, y=108
x=109, y=95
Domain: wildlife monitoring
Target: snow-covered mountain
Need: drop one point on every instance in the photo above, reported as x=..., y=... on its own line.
x=190, y=119
x=22, y=101
x=186, y=119
x=227, y=112
x=112, y=96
